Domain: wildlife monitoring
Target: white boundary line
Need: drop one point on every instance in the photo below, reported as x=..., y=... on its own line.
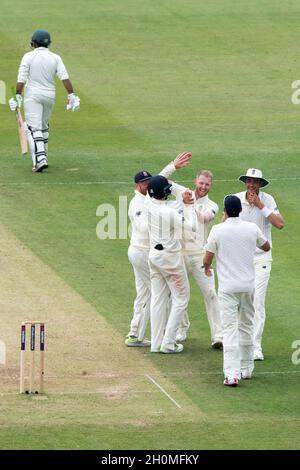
x=160, y=388
x=125, y=183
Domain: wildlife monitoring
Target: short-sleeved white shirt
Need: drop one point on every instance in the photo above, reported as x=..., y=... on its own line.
x=38, y=70
x=251, y=213
x=234, y=242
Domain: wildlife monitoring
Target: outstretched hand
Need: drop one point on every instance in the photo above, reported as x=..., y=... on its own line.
x=182, y=160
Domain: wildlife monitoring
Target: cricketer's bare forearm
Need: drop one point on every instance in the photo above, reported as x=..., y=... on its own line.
x=68, y=86
x=19, y=88
x=207, y=262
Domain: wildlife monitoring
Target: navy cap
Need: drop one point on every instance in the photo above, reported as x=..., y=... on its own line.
x=233, y=205
x=142, y=176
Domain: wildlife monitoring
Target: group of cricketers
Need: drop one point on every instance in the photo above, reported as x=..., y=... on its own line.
x=171, y=241
x=170, y=238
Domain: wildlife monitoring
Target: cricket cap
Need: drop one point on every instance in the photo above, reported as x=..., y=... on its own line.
x=142, y=176
x=233, y=205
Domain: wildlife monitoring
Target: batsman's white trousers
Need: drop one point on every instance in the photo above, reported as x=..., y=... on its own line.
x=37, y=109
x=206, y=285
x=168, y=276
x=141, y=308
x=262, y=276
x=237, y=313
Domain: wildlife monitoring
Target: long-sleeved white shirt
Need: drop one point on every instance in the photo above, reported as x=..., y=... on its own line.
x=38, y=70
x=204, y=212
x=166, y=226
x=137, y=213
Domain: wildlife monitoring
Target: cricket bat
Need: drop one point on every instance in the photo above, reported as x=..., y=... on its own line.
x=21, y=130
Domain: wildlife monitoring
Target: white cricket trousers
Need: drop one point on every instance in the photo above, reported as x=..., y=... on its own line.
x=38, y=109
x=262, y=276
x=141, y=308
x=168, y=277
x=237, y=313
x=194, y=263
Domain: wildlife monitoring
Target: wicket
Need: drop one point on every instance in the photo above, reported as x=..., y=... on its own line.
x=32, y=355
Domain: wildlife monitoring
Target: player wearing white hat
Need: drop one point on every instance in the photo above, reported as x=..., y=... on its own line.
x=37, y=72
x=138, y=251
x=233, y=243
x=260, y=208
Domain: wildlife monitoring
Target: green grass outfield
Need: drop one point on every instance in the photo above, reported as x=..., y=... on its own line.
x=157, y=77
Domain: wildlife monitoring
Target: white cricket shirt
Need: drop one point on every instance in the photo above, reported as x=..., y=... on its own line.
x=38, y=70
x=166, y=225
x=137, y=213
x=234, y=242
x=139, y=225
x=251, y=213
x=193, y=242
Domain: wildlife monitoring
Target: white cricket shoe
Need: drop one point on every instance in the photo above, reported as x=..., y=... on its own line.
x=231, y=382
x=246, y=374
x=40, y=166
x=258, y=355
x=181, y=335
x=178, y=348
x=134, y=342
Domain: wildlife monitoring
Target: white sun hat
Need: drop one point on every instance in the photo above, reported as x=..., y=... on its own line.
x=254, y=173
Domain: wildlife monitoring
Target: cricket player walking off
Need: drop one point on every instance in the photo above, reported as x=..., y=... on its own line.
x=234, y=243
x=260, y=208
x=37, y=72
x=167, y=269
x=138, y=251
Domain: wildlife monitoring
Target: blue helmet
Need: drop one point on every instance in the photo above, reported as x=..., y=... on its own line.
x=41, y=38
x=159, y=187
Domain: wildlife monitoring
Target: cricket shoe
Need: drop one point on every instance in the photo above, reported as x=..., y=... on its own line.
x=40, y=166
x=134, y=342
x=181, y=335
x=217, y=344
x=178, y=348
x=246, y=374
x=258, y=355
x=231, y=382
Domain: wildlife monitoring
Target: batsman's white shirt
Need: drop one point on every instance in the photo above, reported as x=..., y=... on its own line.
x=251, y=213
x=234, y=243
x=38, y=70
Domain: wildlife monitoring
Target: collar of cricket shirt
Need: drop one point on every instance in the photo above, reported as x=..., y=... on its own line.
x=139, y=194
x=200, y=200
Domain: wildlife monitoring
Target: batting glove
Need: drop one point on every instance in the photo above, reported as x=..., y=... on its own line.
x=15, y=103
x=73, y=102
